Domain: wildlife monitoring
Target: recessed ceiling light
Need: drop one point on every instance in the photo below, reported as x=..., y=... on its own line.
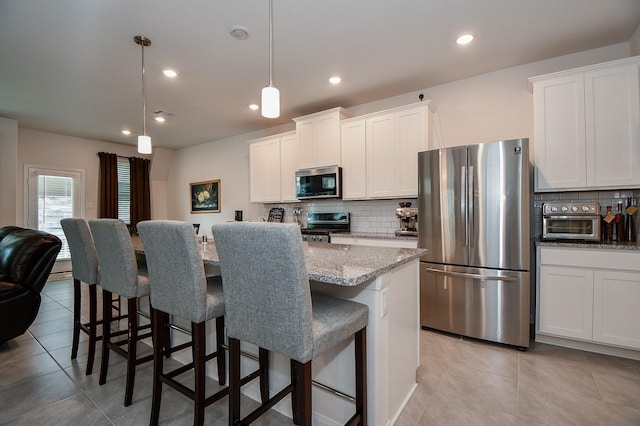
x=335, y=80
x=254, y=107
x=239, y=32
x=160, y=119
x=126, y=132
x=169, y=73
x=464, y=39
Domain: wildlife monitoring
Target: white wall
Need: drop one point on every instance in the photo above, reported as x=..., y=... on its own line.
x=8, y=171
x=483, y=108
x=53, y=150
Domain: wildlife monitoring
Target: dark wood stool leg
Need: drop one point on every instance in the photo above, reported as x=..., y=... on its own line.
x=361, y=375
x=93, y=326
x=263, y=363
x=106, y=335
x=234, y=381
x=199, y=358
x=167, y=336
x=303, y=389
x=221, y=358
x=158, y=321
x=294, y=393
x=77, y=305
x=132, y=340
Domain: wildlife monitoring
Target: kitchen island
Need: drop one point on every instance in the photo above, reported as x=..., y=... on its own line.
x=386, y=280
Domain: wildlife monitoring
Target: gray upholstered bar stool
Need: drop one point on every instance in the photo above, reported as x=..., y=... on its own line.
x=180, y=287
x=119, y=275
x=269, y=304
x=85, y=269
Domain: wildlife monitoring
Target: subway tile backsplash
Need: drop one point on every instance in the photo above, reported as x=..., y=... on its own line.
x=605, y=198
x=376, y=216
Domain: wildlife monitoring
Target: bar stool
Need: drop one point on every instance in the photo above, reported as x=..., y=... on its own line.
x=269, y=304
x=180, y=288
x=85, y=269
x=119, y=275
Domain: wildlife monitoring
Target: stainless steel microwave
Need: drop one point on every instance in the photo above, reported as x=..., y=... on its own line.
x=325, y=182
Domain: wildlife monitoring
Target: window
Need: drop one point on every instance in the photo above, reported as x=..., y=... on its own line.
x=124, y=190
x=51, y=195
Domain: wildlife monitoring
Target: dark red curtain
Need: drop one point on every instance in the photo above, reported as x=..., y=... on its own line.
x=140, y=190
x=108, y=186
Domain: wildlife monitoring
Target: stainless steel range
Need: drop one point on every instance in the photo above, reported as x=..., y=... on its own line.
x=321, y=225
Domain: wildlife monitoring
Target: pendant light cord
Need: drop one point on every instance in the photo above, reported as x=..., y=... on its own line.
x=144, y=102
x=271, y=43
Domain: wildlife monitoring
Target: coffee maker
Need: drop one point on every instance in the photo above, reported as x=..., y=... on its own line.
x=408, y=220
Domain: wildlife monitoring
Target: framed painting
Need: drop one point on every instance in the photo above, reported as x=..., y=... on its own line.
x=205, y=196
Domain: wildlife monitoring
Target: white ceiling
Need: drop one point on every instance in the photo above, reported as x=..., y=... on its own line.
x=71, y=66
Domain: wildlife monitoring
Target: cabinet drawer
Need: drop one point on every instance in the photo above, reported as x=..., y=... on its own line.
x=628, y=260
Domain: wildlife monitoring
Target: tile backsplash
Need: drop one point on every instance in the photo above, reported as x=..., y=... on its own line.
x=376, y=216
x=605, y=198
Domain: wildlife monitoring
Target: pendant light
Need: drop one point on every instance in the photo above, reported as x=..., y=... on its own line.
x=144, y=141
x=270, y=95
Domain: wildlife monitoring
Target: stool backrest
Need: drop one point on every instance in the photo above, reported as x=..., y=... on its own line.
x=118, y=266
x=84, y=259
x=266, y=286
x=176, y=270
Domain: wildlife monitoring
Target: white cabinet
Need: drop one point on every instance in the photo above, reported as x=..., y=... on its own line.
x=319, y=138
x=380, y=152
x=272, y=165
x=590, y=295
x=586, y=125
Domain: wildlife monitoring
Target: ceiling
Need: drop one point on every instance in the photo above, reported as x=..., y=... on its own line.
x=71, y=67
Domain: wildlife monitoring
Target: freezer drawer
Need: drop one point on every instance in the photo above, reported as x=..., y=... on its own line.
x=482, y=303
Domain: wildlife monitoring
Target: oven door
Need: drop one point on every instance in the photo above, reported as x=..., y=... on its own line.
x=583, y=228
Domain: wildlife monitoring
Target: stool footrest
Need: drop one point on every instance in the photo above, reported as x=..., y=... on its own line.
x=267, y=405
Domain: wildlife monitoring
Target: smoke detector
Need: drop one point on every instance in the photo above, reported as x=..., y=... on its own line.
x=239, y=32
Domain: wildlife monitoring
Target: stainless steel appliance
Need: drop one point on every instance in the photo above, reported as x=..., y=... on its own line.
x=568, y=220
x=323, y=182
x=408, y=220
x=473, y=206
x=321, y=225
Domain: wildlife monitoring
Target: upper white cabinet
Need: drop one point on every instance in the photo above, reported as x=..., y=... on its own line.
x=380, y=152
x=272, y=165
x=587, y=127
x=319, y=138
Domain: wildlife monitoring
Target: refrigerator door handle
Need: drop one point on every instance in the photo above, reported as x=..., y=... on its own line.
x=463, y=201
x=470, y=212
x=474, y=276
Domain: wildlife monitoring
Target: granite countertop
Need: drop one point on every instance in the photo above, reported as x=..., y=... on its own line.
x=339, y=264
x=625, y=245
x=374, y=235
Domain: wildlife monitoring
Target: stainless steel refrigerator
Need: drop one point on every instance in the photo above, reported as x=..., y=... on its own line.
x=473, y=206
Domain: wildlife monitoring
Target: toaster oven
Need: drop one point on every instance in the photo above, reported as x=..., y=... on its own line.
x=564, y=220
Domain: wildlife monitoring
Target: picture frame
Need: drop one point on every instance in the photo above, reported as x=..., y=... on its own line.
x=205, y=196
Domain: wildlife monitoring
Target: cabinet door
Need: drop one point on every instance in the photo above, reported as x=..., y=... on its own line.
x=566, y=301
x=354, y=174
x=326, y=140
x=264, y=170
x=612, y=103
x=305, y=144
x=559, y=127
x=411, y=139
x=382, y=156
x=616, y=312
x=288, y=166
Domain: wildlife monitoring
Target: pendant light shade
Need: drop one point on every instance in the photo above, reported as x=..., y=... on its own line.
x=270, y=95
x=144, y=141
x=270, y=102
x=144, y=144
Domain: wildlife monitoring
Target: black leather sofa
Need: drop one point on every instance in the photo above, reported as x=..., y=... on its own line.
x=26, y=259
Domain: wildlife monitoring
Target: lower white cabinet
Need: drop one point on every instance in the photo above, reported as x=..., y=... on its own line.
x=589, y=295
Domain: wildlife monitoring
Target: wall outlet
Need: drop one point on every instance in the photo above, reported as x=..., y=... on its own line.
x=385, y=303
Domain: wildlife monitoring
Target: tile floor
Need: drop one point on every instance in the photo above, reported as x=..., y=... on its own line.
x=460, y=382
